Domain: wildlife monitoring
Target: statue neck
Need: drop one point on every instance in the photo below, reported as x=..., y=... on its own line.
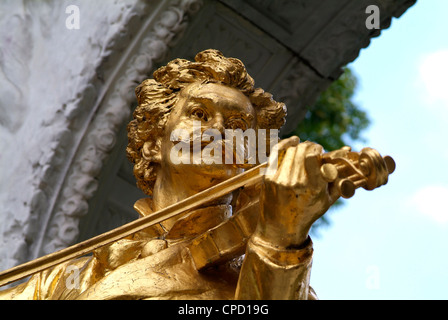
x=168, y=191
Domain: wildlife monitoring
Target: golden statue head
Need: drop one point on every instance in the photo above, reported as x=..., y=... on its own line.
x=211, y=75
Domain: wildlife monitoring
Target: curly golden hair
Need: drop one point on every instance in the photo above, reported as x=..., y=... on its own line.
x=156, y=98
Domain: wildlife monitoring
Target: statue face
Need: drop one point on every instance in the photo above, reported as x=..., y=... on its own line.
x=202, y=107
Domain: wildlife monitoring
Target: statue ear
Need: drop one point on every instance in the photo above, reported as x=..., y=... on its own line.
x=151, y=151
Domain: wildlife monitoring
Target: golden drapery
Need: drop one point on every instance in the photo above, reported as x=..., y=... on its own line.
x=149, y=265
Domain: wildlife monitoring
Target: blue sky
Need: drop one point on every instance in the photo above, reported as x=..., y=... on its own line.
x=392, y=242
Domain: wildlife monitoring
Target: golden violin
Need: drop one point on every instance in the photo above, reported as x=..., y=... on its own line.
x=351, y=170
x=343, y=168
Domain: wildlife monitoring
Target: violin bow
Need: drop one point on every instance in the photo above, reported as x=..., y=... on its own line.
x=360, y=168
x=24, y=270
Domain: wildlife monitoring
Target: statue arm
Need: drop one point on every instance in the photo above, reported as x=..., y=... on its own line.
x=278, y=256
x=49, y=284
x=270, y=272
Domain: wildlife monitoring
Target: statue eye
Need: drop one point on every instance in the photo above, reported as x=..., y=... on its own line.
x=199, y=113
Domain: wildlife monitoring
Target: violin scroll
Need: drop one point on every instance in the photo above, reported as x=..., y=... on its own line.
x=349, y=170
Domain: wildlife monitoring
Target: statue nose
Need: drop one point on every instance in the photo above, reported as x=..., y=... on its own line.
x=218, y=123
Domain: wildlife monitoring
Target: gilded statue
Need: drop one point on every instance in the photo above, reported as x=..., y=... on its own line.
x=251, y=242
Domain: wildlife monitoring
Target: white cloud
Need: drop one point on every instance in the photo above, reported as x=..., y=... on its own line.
x=433, y=71
x=432, y=201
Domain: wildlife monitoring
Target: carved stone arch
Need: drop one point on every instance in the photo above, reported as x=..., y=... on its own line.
x=98, y=117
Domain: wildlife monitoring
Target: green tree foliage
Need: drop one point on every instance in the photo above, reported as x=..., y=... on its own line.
x=334, y=121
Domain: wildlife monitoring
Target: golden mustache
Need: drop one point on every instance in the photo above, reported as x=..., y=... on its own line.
x=223, y=142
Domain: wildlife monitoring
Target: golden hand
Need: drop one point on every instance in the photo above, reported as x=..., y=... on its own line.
x=295, y=196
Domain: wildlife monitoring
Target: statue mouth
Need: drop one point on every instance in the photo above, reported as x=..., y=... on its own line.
x=229, y=154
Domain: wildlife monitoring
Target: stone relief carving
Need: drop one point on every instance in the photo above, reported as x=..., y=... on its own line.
x=218, y=31
x=14, y=70
x=286, y=13
x=341, y=41
x=221, y=28
x=77, y=133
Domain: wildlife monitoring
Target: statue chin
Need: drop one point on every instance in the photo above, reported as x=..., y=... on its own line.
x=204, y=171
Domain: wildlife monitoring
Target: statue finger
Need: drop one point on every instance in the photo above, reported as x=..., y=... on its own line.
x=313, y=162
x=277, y=154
